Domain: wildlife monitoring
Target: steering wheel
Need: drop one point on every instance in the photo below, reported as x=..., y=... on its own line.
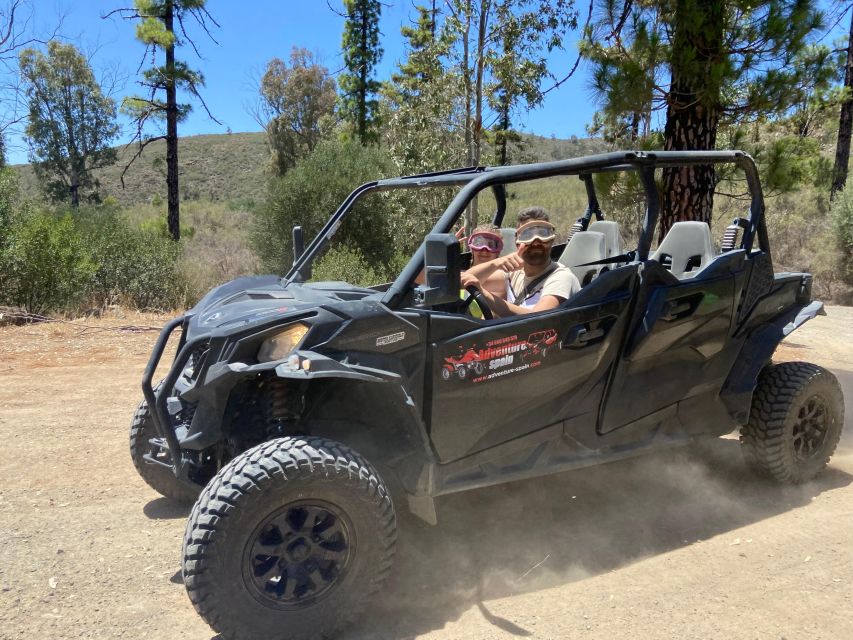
x=475, y=295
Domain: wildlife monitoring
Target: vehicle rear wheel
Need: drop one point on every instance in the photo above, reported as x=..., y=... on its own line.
x=156, y=476
x=290, y=539
x=795, y=422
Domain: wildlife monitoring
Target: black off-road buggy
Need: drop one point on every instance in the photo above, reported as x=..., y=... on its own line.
x=301, y=416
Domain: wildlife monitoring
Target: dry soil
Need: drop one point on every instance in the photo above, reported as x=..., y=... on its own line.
x=682, y=545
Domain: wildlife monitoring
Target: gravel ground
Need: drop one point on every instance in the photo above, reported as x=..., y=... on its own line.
x=681, y=545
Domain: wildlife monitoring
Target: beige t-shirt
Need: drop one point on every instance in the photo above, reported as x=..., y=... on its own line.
x=560, y=282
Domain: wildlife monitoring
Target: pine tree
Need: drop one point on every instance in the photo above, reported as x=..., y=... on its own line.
x=362, y=53
x=706, y=63
x=71, y=122
x=421, y=104
x=158, y=20
x=502, y=48
x=845, y=121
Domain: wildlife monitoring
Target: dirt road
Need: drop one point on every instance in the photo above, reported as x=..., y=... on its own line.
x=681, y=545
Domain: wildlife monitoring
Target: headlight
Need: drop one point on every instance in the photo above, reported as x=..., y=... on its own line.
x=278, y=346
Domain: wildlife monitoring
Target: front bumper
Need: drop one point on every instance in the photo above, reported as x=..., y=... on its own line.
x=158, y=402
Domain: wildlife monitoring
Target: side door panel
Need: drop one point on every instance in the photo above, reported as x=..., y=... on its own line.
x=499, y=381
x=676, y=345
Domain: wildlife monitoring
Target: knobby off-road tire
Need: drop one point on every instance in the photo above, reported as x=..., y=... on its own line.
x=289, y=540
x=795, y=422
x=159, y=478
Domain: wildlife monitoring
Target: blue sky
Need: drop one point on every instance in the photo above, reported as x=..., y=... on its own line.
x=254, y=31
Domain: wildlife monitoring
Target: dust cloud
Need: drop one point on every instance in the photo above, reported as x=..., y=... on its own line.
x=531, y=535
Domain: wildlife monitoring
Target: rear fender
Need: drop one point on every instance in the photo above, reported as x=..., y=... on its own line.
x=756, y=353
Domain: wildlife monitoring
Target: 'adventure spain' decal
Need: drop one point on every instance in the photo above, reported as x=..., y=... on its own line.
x=499, y=357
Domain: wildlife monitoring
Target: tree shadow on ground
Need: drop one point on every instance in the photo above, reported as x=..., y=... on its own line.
x=536, y=534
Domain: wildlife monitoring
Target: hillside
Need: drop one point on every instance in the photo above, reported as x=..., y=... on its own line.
x=230, y=168
x=217, y=168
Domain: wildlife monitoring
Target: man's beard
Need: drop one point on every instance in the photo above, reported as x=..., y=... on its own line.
x=536, y=256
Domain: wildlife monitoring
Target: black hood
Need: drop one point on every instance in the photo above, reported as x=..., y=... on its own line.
x=261, y=298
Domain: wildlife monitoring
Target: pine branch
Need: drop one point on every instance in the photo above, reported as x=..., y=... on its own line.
x=188, y=39
x=140, y=148
x=574, y=68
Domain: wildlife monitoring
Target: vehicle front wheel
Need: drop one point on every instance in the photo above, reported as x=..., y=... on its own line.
x=290, y=539
x=795, y=422
x=158, y=477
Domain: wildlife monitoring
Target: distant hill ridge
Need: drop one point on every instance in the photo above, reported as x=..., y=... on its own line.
x=231, y=167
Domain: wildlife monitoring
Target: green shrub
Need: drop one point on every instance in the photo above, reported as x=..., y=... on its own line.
x=134, y=266
x=219, y=249
x=8, y=199
x=311, y=192
x=45, y=262
x=841, y=214
x=347, y=265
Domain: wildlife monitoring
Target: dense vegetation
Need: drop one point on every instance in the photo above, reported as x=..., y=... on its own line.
x=471, y=67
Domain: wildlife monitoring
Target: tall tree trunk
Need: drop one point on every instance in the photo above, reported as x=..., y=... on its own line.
x=478, y=90
x=362, y=75
x=635, y=126
x=470, y=211
x=693, y=111
x=466, y=81
x=174, y=218
x=477, y=124
x=503, y=134
x=845, y=123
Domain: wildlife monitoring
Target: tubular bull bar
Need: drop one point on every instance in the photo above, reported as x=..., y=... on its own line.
x=157, y=401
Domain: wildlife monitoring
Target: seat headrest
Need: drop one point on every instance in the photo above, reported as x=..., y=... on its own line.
x=689, y=246
x=612, y=237
x=508, y=234
x=585, y=246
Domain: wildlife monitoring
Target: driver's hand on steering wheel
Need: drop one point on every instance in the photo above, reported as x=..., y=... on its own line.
x=467, y=280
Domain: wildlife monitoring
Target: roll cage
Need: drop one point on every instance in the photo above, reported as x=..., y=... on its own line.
x=475, y=179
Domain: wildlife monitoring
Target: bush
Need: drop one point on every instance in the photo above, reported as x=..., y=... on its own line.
x=45, y=262
x=8, y=198
x=219, y=249
x=841, y=214
x=134, y=266
x=312, y=190
x=346, y=265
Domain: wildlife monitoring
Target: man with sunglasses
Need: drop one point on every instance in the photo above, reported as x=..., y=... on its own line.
x=536, y=283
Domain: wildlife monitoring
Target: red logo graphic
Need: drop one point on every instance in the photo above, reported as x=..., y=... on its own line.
x=500, y=357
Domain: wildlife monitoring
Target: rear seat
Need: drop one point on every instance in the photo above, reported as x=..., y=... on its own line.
x=686, y=249
x=612, y=237
x=508, y=234
x=584, y=246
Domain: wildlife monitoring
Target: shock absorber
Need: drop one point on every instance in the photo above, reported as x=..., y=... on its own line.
x=284, y=404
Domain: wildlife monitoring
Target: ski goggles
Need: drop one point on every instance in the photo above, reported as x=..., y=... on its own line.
x=535, y=230
x=485, y=241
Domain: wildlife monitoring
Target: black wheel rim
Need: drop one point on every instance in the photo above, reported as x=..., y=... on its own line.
x=810, y=428
x=298, y=554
